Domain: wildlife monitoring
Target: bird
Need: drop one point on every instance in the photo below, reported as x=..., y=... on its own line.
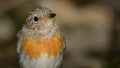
x=41, y=42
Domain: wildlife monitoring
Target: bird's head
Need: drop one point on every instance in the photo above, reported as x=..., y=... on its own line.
x=41, y=16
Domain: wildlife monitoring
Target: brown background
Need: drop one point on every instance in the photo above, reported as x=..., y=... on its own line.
x=91, y=28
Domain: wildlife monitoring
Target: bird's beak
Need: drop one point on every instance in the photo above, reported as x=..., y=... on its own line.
x=52, y=15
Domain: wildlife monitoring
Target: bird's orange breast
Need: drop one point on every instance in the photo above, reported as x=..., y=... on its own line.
x=36, y=47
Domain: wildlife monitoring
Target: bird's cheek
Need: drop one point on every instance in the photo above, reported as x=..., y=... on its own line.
x=42, y=20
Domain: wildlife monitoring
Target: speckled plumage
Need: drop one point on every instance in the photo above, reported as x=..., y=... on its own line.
x=40, y=42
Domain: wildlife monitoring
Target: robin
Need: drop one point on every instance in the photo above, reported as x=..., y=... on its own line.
x=40, y=41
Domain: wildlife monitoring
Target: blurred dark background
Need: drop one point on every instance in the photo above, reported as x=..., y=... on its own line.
x=91, y=28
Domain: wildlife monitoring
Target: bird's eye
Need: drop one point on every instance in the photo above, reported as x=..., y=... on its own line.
x=35, y=18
